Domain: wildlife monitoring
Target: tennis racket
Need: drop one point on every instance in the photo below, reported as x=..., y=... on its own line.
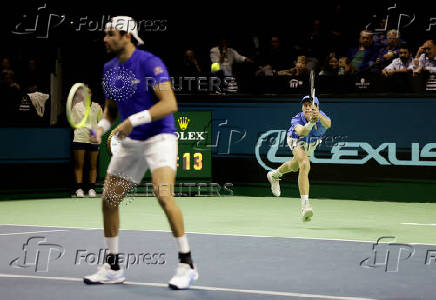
x=78, y=94
x=312, y=87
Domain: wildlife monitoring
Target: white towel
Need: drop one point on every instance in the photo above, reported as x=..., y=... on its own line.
x=38, y=100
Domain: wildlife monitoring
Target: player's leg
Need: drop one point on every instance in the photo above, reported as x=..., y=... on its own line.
x=125, y=169
x=161, y=157
x=163, y=183
x=303, y=181
x=289, y=166
x=274, y=176
x=93, y=157
x=115, y=189
x=79, y=162
x=286, y=167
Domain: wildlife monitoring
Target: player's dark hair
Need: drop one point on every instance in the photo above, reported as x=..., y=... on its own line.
x=308, y=99
x=132, y=38
x=406, y=46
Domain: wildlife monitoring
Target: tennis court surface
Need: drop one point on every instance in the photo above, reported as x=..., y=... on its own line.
x=245, y=248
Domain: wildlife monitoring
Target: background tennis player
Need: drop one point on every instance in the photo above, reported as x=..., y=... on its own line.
x=137, y=84
x=305, y=134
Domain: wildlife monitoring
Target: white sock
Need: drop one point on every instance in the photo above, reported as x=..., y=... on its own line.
x=277, y=174
x=182, y=244
x=304, y=200
x=112, y=244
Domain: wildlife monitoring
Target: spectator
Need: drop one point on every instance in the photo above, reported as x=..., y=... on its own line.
x=331, y=66
x=402, y=64
x=338, y=26
x=346, y=67
x=10, y=93
x=226, y=56
x=8, y=79
x=300, y=68
x=274, y=58
x=32, y=78
x=191, y=66
x=391, y=50
x=6, y=64
x=379, y=38
x=363, y=56
x=425, y=59
x=314, y=46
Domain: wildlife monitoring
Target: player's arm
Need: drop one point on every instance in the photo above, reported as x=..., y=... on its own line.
x=110, y=113
x=303, y=131
x=167, y=103
x=326, y=122
x=318, y=115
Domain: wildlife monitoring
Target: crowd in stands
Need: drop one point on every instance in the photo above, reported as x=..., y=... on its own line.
x=24, y=91
x=380, y=61
x=366, y=61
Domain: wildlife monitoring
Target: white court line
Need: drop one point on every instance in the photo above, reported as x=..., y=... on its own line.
x=219, y=234
x=419, y=224
x=199, y=287
x=15, y=233
x=193, y=232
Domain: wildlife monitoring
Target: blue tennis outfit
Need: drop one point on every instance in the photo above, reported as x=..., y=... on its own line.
x=317, y=133
x=130, y=85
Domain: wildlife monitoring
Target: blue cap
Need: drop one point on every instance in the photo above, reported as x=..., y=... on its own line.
x=316, y=101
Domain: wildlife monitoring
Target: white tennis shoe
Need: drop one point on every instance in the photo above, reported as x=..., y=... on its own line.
x=92, y=193
x=105, y=275
x=80, y=193
x=184, y=277
x=275, y=186
x=306, y=213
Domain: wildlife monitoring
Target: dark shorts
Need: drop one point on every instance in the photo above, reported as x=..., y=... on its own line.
x=85, y=146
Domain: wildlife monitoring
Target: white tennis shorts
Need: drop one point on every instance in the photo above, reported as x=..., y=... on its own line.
x=307, y=147
x=134, y=157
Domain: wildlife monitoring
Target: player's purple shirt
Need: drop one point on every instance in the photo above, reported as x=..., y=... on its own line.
x=315, y=134
x=130, y=84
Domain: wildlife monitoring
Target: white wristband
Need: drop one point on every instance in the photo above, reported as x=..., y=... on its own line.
x=309, y=125
x=139, y=118
x=105, y=124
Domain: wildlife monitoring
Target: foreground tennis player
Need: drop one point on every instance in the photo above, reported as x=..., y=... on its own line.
x=305, y=134
x=137, y=84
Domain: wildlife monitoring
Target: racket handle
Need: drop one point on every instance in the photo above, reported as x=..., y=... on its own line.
x=94, y=134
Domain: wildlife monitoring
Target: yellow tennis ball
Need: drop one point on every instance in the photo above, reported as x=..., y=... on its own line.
x=215, y=67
